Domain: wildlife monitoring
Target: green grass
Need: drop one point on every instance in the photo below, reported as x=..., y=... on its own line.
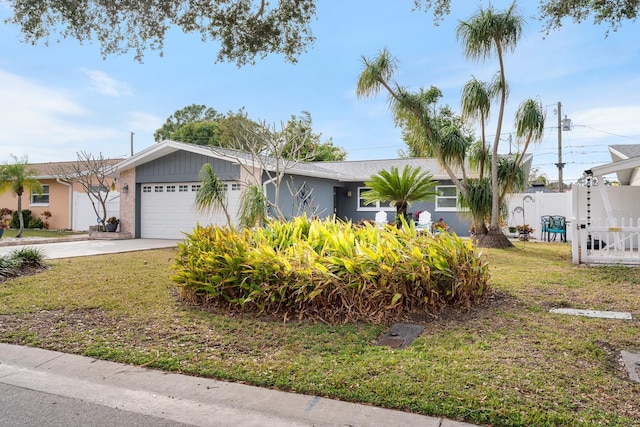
x=507, y=363
x=40, y=233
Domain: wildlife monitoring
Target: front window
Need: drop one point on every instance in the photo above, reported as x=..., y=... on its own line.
x=373, y=206
x=447, y=198
x=41, y=200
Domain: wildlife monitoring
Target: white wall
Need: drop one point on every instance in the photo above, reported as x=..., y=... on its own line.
x=535, y=205
x=83, y=213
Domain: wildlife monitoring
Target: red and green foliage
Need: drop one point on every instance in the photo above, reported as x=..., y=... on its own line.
x=330, y=271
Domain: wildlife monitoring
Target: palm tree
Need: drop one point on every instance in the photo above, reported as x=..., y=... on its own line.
x=212, y=194
x=253, y=206
x=18, y=176
x=529, y=124
x=414, y=109
x=413, y=185
x=484, y=35
x=477, y=97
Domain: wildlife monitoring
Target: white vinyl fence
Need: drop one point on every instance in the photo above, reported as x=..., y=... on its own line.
x=607, y=225
x=529, y=208
x=83, y=213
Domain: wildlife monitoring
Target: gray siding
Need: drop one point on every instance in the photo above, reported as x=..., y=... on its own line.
x=347, y=209
x=321, y=196
x=183, y=166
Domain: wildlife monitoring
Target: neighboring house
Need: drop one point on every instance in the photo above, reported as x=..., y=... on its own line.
x=159, y=185
x=607, y=218
x=68, y=204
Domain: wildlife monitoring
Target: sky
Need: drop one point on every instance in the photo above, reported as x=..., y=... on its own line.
x=63, y=98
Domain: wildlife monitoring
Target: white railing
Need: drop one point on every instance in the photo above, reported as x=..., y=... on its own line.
x=611, y=241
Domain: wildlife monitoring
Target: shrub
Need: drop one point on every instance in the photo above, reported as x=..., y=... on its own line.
x=15, y=261
x=26, y=217
x=330, y=271
x=36, y=223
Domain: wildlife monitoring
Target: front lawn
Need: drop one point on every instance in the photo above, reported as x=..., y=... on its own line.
x=36, y=232
x=507, y=362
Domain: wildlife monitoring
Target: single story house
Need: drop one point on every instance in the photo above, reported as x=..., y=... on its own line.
x=67, y=202
x=158, y=187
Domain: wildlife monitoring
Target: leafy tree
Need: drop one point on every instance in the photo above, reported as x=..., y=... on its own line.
x=212, y=194
x=91, y=172
x=311, y=148
x=17, y=177
x=400, y=189
x=199, y=133
x=245, y=29
x=189, y=114
x=553, y=12
x=608, y=12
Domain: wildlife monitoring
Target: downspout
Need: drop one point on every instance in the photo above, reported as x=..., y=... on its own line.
x=70, y=201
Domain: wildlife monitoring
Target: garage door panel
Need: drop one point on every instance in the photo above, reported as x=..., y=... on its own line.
x=168, y=215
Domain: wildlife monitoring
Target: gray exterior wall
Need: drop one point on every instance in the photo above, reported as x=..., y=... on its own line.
x=322, y=195
x=183, y=166
x=347, y=209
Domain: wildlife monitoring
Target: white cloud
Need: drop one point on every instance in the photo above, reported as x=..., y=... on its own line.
x=107, y=85
x=44, y=123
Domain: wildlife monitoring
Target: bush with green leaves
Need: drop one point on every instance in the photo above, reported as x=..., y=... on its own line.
x=330, y=271
x=15, y=261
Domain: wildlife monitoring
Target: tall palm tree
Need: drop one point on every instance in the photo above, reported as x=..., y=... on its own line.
x=529, y=124
x=17, y=177
x=212, y=194
x=484, y=35
x=477, y=97
x=414, y=109
x=401, y=189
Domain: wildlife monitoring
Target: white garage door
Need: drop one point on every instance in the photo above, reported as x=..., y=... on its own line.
x=168, y=210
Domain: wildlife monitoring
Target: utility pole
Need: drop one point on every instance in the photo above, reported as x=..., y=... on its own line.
x=132, y=143
x=560, y=165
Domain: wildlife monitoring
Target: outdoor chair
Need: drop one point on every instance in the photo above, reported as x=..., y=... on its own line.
x=424, y=222
x=381, y=218
x=557, y=225
x=545, y=223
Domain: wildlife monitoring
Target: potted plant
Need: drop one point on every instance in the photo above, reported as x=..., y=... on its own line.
x=439, y=226
x=524, y=231
x=112, y=224
x=5, y=219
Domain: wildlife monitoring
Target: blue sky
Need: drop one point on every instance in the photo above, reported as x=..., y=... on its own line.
x=59, y=99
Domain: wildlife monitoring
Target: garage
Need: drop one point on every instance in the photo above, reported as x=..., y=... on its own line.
x=168, y=209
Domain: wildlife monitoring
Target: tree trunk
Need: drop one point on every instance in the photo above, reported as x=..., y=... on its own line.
x=493, y=239
x=20, y=217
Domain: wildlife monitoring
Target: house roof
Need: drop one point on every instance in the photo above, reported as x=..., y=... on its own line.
x=51, y=170
x=624, y=151
x=625, y=160
x=343, y=171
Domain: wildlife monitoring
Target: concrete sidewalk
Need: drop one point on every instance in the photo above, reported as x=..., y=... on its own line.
x=84, y=246
x=94, y=385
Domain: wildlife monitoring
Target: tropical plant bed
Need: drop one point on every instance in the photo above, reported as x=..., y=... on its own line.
x=330, y=271
x=505, y=362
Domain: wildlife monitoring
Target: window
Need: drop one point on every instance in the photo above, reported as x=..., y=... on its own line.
x=447, y=198
x=158, y=188
x=183, y=188
x=37, y=199
x=235, y=186
x=171, y=188
x=195, y=187
x=146, y=189
x=374, y=206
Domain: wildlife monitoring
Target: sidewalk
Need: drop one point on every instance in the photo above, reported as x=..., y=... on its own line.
x=175, y=398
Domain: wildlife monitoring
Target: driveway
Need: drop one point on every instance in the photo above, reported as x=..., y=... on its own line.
x=85, y=247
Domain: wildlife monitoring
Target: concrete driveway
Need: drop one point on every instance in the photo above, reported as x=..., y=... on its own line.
x=85, y=247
